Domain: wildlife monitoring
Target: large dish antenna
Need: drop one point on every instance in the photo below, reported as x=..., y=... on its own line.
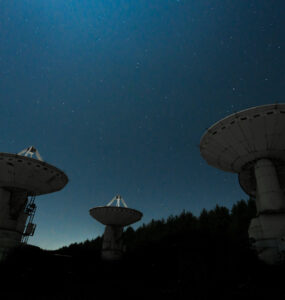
x=22, y=177
x=251, y=143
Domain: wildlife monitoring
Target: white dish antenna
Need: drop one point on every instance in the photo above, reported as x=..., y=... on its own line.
x=252, y=143
x=23, y=176
x=115, y=218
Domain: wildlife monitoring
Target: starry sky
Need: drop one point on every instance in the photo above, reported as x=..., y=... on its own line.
x=117, y=94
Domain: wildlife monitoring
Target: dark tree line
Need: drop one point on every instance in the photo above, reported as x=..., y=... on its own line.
x=218, y=222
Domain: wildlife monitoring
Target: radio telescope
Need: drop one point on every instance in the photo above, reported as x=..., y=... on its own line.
x=23, y=177
x=115, y=218
x=252, y=144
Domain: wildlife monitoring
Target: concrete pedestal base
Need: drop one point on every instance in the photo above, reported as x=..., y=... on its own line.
x=270, y=197
x=112, y=248
x=12, y=219
x=267, y=233
x=8, y=240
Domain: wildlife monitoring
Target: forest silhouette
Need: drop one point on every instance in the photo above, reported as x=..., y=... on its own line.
x=183, y=256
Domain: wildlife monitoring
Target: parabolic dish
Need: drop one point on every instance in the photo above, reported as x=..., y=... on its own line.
x=241, y=138
x=29, y=174
x=115, y=215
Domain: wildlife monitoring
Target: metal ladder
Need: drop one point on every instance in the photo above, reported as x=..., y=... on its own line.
x=30, y=227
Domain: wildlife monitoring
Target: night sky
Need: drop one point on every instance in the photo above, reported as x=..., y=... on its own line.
x=117, y=94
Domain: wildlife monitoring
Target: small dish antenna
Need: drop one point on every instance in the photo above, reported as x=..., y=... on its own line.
x=114, y=218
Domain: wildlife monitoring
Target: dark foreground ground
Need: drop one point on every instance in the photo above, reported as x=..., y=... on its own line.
x=174, y=273
x=184, y=257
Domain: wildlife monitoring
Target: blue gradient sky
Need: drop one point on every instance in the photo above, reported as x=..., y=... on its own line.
x=118, y=94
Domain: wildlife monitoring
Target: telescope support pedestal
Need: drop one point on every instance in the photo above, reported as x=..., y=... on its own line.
x=267, y=230
x=270, y=197
x=112, y=248
x=12, y=219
